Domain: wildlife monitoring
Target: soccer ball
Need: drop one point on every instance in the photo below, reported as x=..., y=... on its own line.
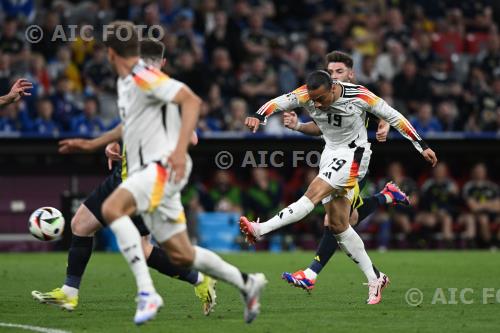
x=46, y=224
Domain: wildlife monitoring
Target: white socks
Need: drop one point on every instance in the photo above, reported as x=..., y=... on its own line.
x=353, y=246
x=213, y=265
x=310, y=274
x=69, y=291
x=129, y=241
x=293, y=213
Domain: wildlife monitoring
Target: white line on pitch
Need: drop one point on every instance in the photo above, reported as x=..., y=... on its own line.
x=34, y=328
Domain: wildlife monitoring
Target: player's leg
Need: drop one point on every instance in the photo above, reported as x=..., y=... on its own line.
x=83, y=226
x=174, y=240
x=204, y=285
x=352, y=245
x=317, y=190
x=362, y=209
x=116, y=211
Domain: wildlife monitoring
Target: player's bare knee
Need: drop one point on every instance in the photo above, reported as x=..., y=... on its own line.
x=353, y=219
x=109, y=211
x=78, y=227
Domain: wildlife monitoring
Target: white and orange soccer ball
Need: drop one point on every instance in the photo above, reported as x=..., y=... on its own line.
x=47, y=224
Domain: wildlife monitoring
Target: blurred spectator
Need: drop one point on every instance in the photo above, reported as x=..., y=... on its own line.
x=82, y=47
x=48, y=46
x=44, y=124
x=225, y=36
x=389, y=63
x=187, y=39
x=490, y=59
x=422, y=53
x=21, y=9
x=396, y=29
x=482, y=197
x=223, y=194
x=258, y=84
x=447, y=115
x=443, y=85
x=367, y=75
x=237, y=114
x=439, y=204
x=40, y=74
x=97, y=72
x=424, y=121
x=262, y=199
x=88, y=124
x=205, y=17
x=5, y=73
x=64, y=102
x=256, y=40
x=13, y=119
x=64, y=66
x=189, y=72
x=488, y=103
x=281, y=65
x=10, y=41
x=208, y=122
x=222, y=73
x=410, y=86
x=317, y=49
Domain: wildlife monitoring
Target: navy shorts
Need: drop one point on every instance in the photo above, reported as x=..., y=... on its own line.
x=95, y=200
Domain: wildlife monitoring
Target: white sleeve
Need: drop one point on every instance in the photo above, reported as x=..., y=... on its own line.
x=384, y=111
x=166, y=89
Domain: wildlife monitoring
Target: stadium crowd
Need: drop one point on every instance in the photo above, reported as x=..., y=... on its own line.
x=436, y=61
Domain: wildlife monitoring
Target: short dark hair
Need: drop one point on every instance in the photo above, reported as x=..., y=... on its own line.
x=339, y=56
x=318, y=79
x=123, y=39
x=152, y=49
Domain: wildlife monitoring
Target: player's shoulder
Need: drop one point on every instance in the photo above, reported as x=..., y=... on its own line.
x=357, y=92
x=148, y=77
x=302, y=94
x=353, y=90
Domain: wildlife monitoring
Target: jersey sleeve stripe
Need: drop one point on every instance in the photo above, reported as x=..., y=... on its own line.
x=267, y=108
x=302, y=94
x=408, y=129
x=149, y=78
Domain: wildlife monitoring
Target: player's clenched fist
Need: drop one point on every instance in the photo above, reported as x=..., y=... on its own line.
x=252, y=123
x=290, y=120
x=430, y=156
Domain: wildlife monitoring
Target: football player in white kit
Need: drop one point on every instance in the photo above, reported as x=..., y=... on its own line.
x=159, y=168
x=339, y=111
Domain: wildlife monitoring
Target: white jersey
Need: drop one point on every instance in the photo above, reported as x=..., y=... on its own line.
x=150, y=125
x=343, y=123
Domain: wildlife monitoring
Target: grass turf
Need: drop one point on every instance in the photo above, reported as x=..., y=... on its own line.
x=335, y=305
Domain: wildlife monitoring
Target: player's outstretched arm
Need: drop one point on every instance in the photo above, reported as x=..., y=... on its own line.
x=384, y=111
x=291, y=121
x=285, y=102
x=19, y=89
x=68, y=146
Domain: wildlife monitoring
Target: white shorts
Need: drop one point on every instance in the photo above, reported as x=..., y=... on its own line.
x=343, y=168
x=158, y=199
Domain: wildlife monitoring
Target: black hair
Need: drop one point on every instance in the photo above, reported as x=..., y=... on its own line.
x=152, y=49
x=318, y=79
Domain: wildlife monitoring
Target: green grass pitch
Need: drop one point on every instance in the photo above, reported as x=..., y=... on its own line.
x=335, y=305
